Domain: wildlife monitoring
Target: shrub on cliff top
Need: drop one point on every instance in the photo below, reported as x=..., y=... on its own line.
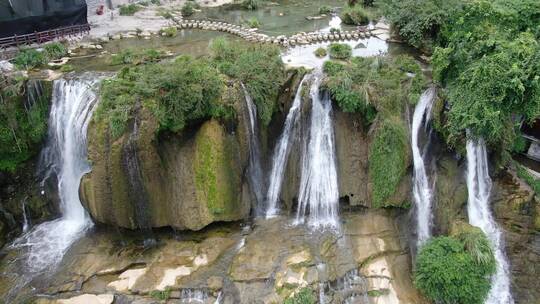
x=340, y=51
x=258, y=67
x=178, y=93
x=368, y=85
x=446, y=272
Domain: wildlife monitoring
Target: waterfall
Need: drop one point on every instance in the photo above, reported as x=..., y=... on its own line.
x=479, y=187
x=422, y=191
x=73, y=102
x=255, y=174
x=281, y=154
x=26, y=221
x=318, y=198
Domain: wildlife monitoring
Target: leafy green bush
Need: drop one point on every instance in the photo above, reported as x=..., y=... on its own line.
x=303, y=296
x=355, y=15
x=325, y=10
x=489, y=62
x=129, y=9
x=23, y=123
x=155, y=2
x=259, y=67
x=55, y=50
x=171, y=31
x=250, y=4
x=486, y=56
x=419, y=21
x=253, y=22
x=366, y=84
x=387, y=160
x=320, y=52
x=446, y=272
x=178, y=94
x=188, y=9
x=29, y=59
x=340, y=51
x=130, y=56
x=332, y=67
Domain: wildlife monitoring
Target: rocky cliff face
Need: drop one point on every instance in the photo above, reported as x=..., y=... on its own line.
x=192, y=179
x=186, y=181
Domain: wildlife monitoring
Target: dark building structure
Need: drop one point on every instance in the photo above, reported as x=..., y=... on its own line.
x=19, y=17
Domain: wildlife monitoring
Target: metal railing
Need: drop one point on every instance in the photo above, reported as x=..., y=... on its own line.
x=45, y=36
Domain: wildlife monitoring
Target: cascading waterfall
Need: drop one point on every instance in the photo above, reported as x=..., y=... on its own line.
x=64, y=155
x=422, y=191
x=281, y=154
x=26, y=221
x=255, y=174
x=318, y=197
x=479, y=188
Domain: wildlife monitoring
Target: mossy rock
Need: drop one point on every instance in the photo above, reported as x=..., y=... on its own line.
x=214, y=172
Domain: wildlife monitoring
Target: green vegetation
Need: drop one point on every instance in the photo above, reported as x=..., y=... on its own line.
x=250, y=4
x=419, y=21
x=258, y=67
x=155, y=2
x=66, y=68
x=171, y=31
x=320, y=52
x=188, y=9
x=455, y=270
x=325, y=10
x=129, y=9
x=130, y=56
x=32, y=58
x=340, y=51
x=485, y=54
x=178, y=93
x=379, y=89
x=253, y=22
x=387, y=160
x=29, y=59
x=378, y=292
x=528, y=178
x=161, y=295
x=188, y=91
x=55, y=50
x=23, y=123
x=355, y=15
x=303, y=296
x=368, y=85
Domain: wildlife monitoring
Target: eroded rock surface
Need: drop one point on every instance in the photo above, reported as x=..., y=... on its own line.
x=266, y=262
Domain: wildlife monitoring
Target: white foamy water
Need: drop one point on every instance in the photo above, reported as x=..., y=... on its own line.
x=422, y=191
x=65, y=155
x=479, y=188
x=281, y=153
x=318, y=198
x=255, y=174
x=304, y=55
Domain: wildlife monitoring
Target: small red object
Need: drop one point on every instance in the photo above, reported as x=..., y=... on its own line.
x=99, y=10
